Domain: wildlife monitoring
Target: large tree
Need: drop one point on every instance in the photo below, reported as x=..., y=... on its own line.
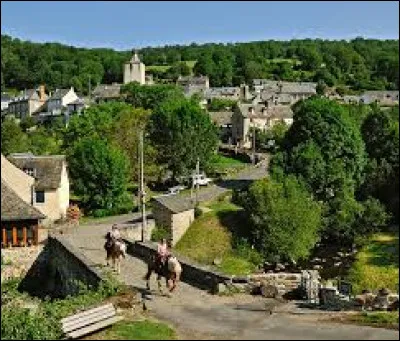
x=285, y=218
x=99, y=173
x=183, y=132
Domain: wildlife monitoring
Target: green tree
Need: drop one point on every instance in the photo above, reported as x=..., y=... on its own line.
x=182, y=132
x=13, y=139
x=99, y=172
x=285, y=219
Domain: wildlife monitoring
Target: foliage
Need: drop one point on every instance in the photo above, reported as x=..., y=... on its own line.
x=360, y=63
x=99, y=172
x=182, y=132
x=271, y=139
x=159, y=233
x=13, y=139
x=150, y=96
x=18, y=323
x=324, y=147
x=377, y=264
x=219, y=104
x=285, y=219
x=379, y=319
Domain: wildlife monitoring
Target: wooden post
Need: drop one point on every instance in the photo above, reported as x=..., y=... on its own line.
x=36, y=235
x=14, y=236
x=24, y=236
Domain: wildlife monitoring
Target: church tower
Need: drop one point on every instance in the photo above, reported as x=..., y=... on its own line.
x=134, y=70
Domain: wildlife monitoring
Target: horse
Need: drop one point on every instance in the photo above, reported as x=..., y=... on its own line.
x=116, y=250
x=170, y=270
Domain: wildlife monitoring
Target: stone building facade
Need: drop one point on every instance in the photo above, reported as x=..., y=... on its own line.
x=134, y=70
x=174, y=213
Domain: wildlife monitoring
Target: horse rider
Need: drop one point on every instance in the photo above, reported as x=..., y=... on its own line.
x=162, y=251
x=112, y=236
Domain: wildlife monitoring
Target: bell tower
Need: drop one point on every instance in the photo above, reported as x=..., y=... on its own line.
x=134, y=70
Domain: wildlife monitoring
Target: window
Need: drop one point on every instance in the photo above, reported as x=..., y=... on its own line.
x=29, y=171
x=39, y=197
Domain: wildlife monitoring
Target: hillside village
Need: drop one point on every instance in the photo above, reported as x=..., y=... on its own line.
x=273, y=189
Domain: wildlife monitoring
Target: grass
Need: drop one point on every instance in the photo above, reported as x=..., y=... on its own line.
x=164, y=68
x=377, y=264
x=138, y=330
x=219, y=159
x=378, y=319
x=210, y=237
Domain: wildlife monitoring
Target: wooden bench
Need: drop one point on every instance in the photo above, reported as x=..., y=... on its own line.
x=89, y=321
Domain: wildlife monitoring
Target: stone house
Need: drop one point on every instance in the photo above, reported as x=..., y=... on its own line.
x=383, y=98
x=194, y=85
x=28, y=103
x=175, y=213
x=286, y=93
x=5, y=101
x=49, y=190
x=58, y=102
x=258, y=115
x=19, y=220
x=223, y=120
x=106, y=92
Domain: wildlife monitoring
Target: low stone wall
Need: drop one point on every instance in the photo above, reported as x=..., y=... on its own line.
x=284, y=282
x=194, y=274
x=59, y=270
x=134, y=231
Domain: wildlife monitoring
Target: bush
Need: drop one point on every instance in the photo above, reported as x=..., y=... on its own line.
x=159, y=233
x=197, y=212
x=285, y=218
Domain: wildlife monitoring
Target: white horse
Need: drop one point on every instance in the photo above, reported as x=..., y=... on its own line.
x=116, y=251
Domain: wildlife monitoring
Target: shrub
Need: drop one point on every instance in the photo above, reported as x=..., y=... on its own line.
x=197, y=212
x=159, y=233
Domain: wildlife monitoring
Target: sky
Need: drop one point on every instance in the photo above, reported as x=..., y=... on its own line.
x=124, y=25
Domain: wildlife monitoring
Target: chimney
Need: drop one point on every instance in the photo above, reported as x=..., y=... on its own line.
x=42, y=93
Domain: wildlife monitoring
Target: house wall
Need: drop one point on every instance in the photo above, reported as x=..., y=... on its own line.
x=18, y=180
x=50, y=207
x=63, y=192
x=69, y=98
x=134, y=72
x=180, y=223
x=162, y=216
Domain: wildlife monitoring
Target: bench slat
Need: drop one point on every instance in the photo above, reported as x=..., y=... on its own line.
x=87, y=312
x=94, y=327
x=87, y=320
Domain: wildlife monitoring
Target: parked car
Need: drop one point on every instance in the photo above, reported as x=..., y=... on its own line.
x=201, y=180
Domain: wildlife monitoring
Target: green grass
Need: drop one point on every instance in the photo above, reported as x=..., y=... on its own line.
x=164, y=68
x=381, y=319
x=219, y=159
x=138, y=330
x=377, y=264
x=210, y=237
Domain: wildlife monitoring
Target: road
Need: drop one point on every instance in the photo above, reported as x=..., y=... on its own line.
x=195, y=314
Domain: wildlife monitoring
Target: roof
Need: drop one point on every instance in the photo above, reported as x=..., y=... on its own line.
x=59, y=93
x=78, y=101
x=175, y=203
x=48, y=168
x=286, y=87
x=221, y=117
x=190, y=80
x=222, y=91
x=14, y=208
x=261, y=111
x=107, y=90
x=5, y=97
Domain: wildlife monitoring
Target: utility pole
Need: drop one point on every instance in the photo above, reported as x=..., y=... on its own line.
x=197, y=182
x=254, y=143
x=142, y=191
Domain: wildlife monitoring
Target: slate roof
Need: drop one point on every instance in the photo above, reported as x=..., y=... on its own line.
x=59, y=93
x=221, y=118
x=276, y=111
x=48, y=168
x=286, y=87
x=107, y=90
x=222, y=91
x=13, y=208
x=175, y=203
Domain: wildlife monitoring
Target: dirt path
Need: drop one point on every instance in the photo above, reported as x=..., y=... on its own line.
x=197, y=314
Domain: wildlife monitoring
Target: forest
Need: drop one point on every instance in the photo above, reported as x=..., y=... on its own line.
x=359, y=64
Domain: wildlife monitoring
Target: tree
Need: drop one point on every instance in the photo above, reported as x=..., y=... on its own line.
x=149, y=96
x=285, y=219
x=99, y=172
x=13, y=139
x=182, y=132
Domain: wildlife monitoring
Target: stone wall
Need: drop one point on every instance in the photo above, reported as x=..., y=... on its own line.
x=180, y=223
x=59, y=270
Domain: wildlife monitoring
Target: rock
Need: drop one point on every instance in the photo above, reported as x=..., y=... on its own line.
x=394, y=306
x=279, y=267
x=217, y=261
x=315, y=260
x=221, y=288
x=269, y=291
x=340, y=254
x=317, y=267
x=384, y=291
x=337, y=264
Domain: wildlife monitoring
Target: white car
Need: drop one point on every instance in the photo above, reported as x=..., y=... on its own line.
x=201, y=180
x=176, y=189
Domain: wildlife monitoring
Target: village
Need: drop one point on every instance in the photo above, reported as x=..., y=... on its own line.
x=274, y=199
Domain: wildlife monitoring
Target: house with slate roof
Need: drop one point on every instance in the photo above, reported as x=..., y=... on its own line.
x=50, y=187
x=174, y=213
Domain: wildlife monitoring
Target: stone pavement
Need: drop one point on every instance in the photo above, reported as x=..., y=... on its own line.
x=198, y=315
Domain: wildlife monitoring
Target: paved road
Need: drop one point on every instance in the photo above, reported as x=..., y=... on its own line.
x=198, y=315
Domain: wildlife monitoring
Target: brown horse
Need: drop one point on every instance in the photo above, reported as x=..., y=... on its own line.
x=168, y=270
x=116, y=250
